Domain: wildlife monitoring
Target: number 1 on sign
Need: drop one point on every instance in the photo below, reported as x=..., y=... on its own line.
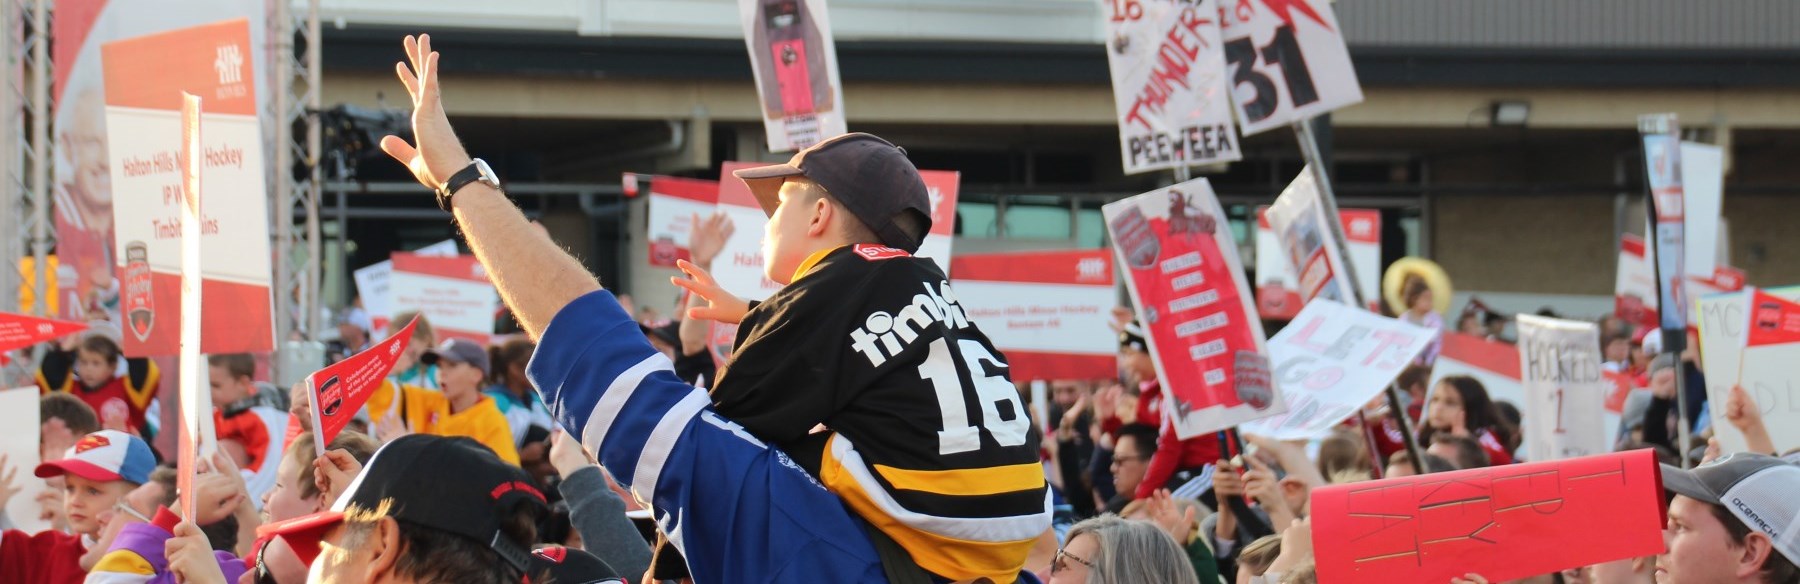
x=1558, y=396
x=1282, y=51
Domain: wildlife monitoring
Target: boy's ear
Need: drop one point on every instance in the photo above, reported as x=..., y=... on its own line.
x=824, y=214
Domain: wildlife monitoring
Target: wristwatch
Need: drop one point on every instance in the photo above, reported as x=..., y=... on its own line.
x=477, y=170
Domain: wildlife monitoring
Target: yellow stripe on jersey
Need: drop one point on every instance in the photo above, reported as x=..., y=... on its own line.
x=806, y=267
x=967, y=481
x=957, y=558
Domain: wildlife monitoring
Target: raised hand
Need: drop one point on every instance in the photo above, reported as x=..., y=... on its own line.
x=567, y=455
x=190, y=556
x=721, y=306
x=708, y=238
x=333, y=473
x=1174, y=519
x=438, y=154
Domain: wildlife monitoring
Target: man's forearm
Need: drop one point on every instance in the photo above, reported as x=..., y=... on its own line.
x=534, y=275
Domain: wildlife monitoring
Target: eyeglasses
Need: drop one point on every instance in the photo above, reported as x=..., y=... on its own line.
x=126, y=509
x=1057, y=565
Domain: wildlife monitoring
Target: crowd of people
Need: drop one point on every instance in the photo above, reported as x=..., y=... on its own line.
x=602, y=444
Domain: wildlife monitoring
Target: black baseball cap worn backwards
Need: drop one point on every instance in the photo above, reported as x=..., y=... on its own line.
x=449, y=484
x=869, y=176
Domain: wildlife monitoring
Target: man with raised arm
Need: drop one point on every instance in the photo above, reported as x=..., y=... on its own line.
x=739, y=510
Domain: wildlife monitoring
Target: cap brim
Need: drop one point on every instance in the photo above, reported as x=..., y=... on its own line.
x=77, y=467
x=303, y=534
x=765, y=183
x=1684, y=482
x=430, y=358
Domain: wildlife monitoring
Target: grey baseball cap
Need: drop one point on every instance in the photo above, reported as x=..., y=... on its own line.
x=870, y=176
x=458, y=351
x=1757, y=489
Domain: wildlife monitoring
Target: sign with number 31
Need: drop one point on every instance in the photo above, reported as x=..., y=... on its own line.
x=1287, y=61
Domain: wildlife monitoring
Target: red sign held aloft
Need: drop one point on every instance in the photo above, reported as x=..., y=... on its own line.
x=1502, y=522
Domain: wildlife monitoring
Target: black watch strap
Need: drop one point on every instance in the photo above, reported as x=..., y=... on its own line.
x=462, y=178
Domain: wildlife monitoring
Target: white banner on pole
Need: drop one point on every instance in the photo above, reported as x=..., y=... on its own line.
x=1308, y=242
x=1287, y=62
x=1703, y=183
x=1330, y=361
x=1278, y=287
x=1168, y=76
x=1565, y=393
x=795, y=65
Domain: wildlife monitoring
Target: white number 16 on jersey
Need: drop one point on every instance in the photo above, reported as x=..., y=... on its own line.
x=990, y=390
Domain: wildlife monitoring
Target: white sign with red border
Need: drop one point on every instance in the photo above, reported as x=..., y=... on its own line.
x=1286, y=60
x=145, y=79
x=452, y=292
x=1047, y=312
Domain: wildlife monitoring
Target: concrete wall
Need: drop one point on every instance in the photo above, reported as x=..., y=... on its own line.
x=1550, y=244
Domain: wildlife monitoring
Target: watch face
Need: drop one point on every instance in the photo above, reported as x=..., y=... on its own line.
x=487, y=173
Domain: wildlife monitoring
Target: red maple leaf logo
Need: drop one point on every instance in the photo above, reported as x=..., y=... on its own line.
x=1281, y=7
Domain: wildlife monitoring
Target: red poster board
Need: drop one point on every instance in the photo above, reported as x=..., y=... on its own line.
x=1501, y=522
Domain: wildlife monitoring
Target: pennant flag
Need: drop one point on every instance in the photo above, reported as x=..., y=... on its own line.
x=19, y=330
x=1773, y=320
x=340, y=390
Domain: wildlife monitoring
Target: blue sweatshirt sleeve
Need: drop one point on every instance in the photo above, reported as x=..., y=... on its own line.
x=738, y=510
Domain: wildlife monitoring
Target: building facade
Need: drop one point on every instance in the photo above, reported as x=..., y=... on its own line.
x=1498, y=139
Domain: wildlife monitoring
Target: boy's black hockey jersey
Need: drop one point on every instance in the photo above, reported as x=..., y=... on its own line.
x=929, y=439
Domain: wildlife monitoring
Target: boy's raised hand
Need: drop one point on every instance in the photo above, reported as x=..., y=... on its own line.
x=708, y=237
x=721, y=306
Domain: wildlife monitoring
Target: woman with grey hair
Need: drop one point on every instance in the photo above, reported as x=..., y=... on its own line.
x=1110, y=550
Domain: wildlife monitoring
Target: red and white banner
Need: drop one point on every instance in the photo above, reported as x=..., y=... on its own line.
x=1750, y=339
x=673, y=204
x=1635, y=296
x=1503, y=522
x=1047, y=312
x=339, y=391
x=795, y=65
x=1331, y=361
x=452, y=292
x=374, y=281
x=1565, y=390
x=19, y=330
x=87, y=279
x=145, y=79
x=739, y=267
x=1278, y=288
x=1168, y=77
x=941, y=188
x=1182, y=269
x=1286, y=60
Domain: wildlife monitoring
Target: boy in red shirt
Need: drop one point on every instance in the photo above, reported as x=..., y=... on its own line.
x=89, y=370
x=97, y=472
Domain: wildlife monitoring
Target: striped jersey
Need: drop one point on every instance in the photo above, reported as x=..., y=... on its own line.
x=928, y=439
